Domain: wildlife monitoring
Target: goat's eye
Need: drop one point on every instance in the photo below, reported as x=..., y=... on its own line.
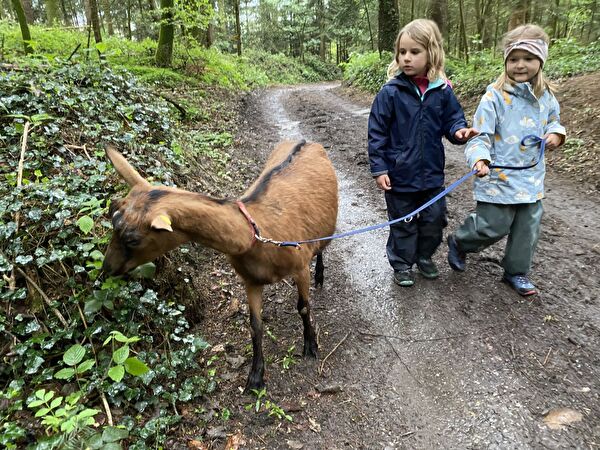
x=132, y=243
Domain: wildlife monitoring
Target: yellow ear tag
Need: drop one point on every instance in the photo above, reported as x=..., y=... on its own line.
x=161, y=222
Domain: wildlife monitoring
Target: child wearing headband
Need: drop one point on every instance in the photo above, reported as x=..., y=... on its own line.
x=509, y=202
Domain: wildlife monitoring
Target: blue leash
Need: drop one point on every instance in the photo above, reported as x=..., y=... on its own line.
x=528, y=141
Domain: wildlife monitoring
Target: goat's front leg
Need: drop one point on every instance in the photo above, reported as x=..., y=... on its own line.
x=255, y=378
x=310, y=342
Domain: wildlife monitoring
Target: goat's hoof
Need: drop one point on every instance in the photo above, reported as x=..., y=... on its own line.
x=319, y=281
x=253, y=385
x=311, y=350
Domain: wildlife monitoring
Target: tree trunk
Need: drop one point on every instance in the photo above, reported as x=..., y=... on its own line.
x=238, y=27
x=463, y=30
x=28, y=9
x=95, y=20
x=519, y=15
x=20, y=12
x=555, y=12
x=439, y=14
x=320, y=12
x=388, y=25
x=128, y=12
x=108, y=14
x=369, y=24
x=166, y=35
x=591, y=24
x=210, y=30
x=52, y=12
x=67, y=19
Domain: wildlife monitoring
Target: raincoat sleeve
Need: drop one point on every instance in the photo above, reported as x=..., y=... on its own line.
x=553, y=125
x=380, y=120
x=454, y=117
x=479, y=147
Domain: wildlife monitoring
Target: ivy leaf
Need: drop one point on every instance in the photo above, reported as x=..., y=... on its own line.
x=113, y=434
x=74, y=355
x=85, y=224
x=23, y=259
x=135, y=367
x=120, y=355
x=116, y=373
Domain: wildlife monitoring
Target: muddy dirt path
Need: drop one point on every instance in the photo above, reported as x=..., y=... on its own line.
x=459, y=362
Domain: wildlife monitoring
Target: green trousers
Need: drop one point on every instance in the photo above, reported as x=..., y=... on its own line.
x=491, y=222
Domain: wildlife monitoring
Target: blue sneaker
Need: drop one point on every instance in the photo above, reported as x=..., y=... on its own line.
x=456, y=258
x=520, y=283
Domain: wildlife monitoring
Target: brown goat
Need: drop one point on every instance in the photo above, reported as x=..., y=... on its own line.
x=295, y=197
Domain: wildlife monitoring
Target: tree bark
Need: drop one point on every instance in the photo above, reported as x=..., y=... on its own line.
x=20, y=12
x=463, y=30
x=388, y=25
x=439, y=14
x=166, y=35
x=28, y=9
x=238, y=27
x=520, y=14
x=109, y=19
x=52, y=12
x=95, y=20
x=369, y=24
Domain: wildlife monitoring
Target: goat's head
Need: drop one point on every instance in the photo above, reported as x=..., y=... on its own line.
x=142, y=231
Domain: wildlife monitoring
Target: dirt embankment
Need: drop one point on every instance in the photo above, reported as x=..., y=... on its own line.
x=459, y=362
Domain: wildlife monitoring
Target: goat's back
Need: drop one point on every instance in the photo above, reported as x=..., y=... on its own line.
x=296, y=195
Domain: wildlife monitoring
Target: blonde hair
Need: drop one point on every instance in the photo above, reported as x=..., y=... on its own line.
x=425, y=32
x=528, y=31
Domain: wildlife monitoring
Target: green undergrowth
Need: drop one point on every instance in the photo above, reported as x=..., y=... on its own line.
x=567, y=57
x=76, y=344
x=191, y=62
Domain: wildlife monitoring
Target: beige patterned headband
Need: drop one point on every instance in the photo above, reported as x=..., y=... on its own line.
x=536, y=47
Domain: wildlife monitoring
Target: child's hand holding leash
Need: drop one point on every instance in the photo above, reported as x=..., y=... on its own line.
x=553, y=140
x=482, y=168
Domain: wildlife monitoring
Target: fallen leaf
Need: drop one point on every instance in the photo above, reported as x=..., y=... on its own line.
x=234, y=441
x=314, y=425
x=559, y=417
x=294, y=444
x=218, y=348
x=197, y=445
x=235, y=361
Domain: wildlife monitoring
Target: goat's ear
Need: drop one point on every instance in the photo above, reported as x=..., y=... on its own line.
x=126, y=170
x=161, y=222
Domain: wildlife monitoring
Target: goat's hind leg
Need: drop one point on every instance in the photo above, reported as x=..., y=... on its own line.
x=310, y=341
x=256, y=375
x=319, y=270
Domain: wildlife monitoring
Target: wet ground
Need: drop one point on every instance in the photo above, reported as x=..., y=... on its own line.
x=458, y=362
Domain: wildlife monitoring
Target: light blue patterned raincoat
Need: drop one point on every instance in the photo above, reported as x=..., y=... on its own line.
x=503, y=118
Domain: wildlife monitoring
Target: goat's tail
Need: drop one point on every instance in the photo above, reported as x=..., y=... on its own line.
x=319, y=270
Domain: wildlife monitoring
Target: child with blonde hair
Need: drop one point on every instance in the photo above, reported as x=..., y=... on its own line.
x=509, y=201
x=409, y=116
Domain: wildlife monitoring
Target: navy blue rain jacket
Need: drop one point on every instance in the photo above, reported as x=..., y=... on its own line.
x=406, y=129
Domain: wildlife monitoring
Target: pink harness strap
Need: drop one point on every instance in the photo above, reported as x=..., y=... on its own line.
x=253, y=227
